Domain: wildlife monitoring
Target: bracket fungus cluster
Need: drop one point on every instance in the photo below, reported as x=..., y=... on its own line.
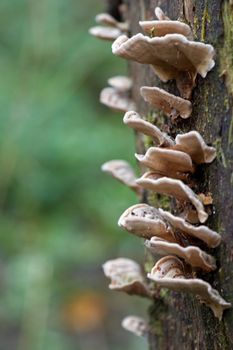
x=126, y=276
x=108, y=27
x=181, y=239
x=169, y=272
x=170, y=50
x=117, y=96
x=123, y=172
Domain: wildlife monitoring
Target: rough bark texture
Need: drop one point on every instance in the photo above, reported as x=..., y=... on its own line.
x=180, y=321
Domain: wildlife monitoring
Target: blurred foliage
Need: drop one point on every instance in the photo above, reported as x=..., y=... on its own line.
x=58, y=212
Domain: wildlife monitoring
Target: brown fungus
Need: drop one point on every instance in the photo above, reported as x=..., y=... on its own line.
x=168, y=272
x=136, y=122
x=126, y=276
x=192, y=255
x=167, y=162
x=145, y=221
x=203, y=233
x=161, y=28
x=105, y=33
x=173, y=106
x=164, y=25
x=109, y=28
x=117, y=96
x=107, y=20
x=174, y=188
x=116, y=100
x=193, y=144
x=123, y=172
x=172, y=56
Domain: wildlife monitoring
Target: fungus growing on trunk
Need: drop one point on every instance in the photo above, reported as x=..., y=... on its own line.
x=173, y=106
x=172, y=56
x=109, y=28
x=126, y=276
x=167, y=162
x=120, y=83
x=174, y=188
x=161, y=15
x=136, y=122
x=193, y=144
x=161, y=28
x=135, y=325
x=192, y=255
x=116, y=100
x=117, y=96
x=168, y=272
x=123, y=172
x=146, y=221
x=105, y=33
x=203, y=233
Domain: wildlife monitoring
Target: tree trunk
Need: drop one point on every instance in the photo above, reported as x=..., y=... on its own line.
x=179, y=321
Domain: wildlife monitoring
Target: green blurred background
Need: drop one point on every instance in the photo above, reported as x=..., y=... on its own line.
x=58, y=211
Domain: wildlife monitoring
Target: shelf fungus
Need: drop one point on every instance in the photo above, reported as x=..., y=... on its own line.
x=123, y=172
x=117, y=96
x=174, y=188
x=173, y=106
x=160, y=28
x=167, y=162
x=202, y=232
x=109, y=28
x=136, y=122
x=193, y=144
x=161, y=15
x=126, y=276
x=172, y=56
x=192, y=255
x=146, y=221
x=135, y=325
x=164, y=25
x=168, y=272
x=121, y=83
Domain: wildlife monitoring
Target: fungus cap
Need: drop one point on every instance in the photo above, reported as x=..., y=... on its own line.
x=164, y=27
x=105, y=33
x=126, y=276
x=193, y=144
x=168, y=273
x=172, y=56
x=119, y=101
x=171, y=53
x=192, y=255
x=160, y=14
x=167, y=162
x=171, y=105
x=145, y=221
x=135, y=325
x=136, y=122
x=203, y=233
x=174, y=188
x=123, y=172
x=121, y=83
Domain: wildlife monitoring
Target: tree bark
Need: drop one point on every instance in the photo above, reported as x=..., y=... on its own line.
x=179, y=321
